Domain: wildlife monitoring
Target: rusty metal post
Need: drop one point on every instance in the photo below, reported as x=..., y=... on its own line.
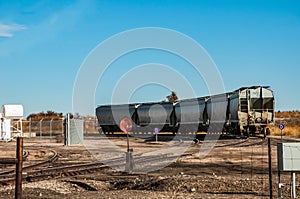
x=19, y=166
x=270, y=168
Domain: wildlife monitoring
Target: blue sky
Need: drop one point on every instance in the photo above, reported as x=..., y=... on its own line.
x=44, y=43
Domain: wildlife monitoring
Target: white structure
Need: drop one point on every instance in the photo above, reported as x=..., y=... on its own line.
x=288, y=156
x=11, y=113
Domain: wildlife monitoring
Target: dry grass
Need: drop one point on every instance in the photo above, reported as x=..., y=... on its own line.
x=287, y=114
x=291, y=120
x=287, y=131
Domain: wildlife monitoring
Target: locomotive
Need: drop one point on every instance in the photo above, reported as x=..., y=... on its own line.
x=245, y=111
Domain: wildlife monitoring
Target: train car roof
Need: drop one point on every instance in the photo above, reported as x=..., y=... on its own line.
x=134, y=104
x=189, y=99
x=251, y=87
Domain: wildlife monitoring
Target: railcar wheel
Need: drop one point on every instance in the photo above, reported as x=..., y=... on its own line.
x=246, y=133
x=268, y=132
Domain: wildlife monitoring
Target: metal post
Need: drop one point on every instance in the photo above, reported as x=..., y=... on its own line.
x=281, y=134
x=127, y=142
x=62, y=126
x=129, y=161
x=129, y=158
x=19, y=165
x=67, y=133
x=51, y=129
x=21, y=127
x=41, y=128
x=69, y=130
x=30, y=127
x=84, y=129
x=293, y=187
x=270, y=167
x=279, y=180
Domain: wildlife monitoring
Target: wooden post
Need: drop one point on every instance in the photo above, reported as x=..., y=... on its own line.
x=270, y=167
x=19, y=166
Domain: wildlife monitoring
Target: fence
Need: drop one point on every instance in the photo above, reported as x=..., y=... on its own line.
x=236, y=169
x=243, y=169
x=52, y=130
x=229, y=168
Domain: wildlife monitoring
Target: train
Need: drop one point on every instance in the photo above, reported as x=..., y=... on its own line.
x=246, y=111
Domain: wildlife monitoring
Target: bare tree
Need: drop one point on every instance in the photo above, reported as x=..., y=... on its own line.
x=173, y=97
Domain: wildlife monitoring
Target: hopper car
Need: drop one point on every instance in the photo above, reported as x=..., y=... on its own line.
x=245, y=111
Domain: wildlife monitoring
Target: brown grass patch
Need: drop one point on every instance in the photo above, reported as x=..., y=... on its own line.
x=287, y=131
x=291, y=120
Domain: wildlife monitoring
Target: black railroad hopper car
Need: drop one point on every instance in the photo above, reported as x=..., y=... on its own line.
x=247, y=111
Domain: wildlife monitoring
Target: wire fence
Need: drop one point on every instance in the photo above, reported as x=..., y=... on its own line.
x=243, y=169
x=51, y=129
x=228, y=169
x=44, y=127
x=236, y=169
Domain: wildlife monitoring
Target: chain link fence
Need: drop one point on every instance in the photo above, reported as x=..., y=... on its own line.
x=52, y=130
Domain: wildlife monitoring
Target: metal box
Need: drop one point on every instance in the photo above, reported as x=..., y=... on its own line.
x=288, y=155
x=12, y=111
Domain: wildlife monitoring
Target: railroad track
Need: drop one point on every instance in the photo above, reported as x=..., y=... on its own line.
x=239, y=142
x=243, y=143
x=86, y=168
x=256, y=142
x=80, y=169
x=51, y=159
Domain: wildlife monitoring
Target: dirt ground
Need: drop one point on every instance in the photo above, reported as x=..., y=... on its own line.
x=232, y=169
